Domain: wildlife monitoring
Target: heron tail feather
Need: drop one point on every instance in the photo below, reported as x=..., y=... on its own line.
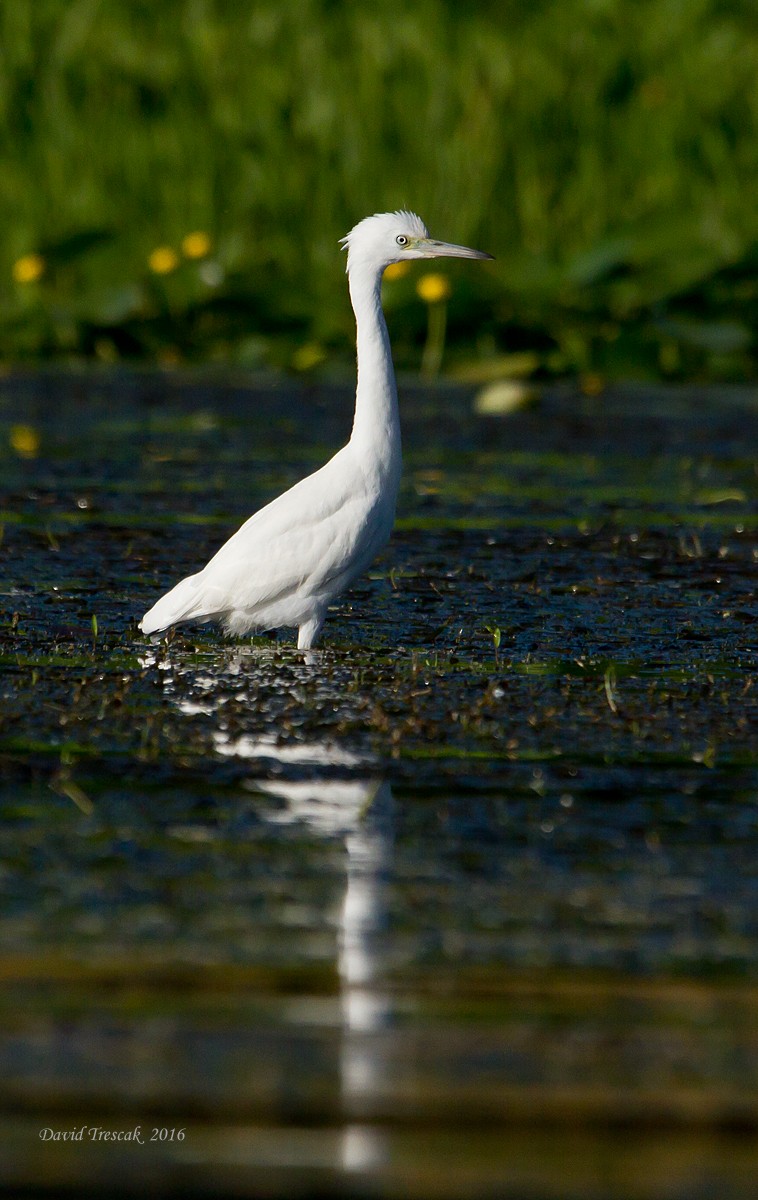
x=183, y=603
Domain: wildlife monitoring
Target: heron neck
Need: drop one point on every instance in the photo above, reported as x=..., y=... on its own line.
x=376, y=426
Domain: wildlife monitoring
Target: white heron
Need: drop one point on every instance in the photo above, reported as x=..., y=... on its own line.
x=291, y=559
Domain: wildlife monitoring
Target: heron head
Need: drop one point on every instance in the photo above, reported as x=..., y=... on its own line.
x=377, y=241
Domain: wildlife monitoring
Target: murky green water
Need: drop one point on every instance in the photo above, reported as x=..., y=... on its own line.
x=462, y=904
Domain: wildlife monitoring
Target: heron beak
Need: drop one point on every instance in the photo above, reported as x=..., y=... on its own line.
x=432, y=249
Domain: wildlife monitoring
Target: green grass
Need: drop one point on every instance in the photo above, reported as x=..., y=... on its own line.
x=604, y=150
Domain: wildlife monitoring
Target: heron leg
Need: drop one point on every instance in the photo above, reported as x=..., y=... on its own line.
x=308, y=632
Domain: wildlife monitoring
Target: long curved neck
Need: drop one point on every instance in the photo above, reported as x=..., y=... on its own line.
x=376, y=426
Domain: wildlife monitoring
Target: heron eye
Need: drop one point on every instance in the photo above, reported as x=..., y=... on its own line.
x=401, y=239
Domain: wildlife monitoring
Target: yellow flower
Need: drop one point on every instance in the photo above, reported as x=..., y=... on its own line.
x=397, y=270
x=433, y=288
x=24, y=439
x=105, y=350
x=29, y=268
x=308, y=356
x=592, y=383
x=196, y=245
x=163, y=260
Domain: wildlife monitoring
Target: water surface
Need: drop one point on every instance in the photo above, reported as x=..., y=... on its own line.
x=462, y=903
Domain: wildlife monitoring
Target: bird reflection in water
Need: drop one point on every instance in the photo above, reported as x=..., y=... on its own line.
x=358, y=809
x=336, y=794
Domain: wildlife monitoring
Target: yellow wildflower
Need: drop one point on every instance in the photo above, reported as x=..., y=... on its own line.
x=163, y=260
x=306, y=357
x=433, y=288
x=196, y=245
x=24, y=439
x=29, y=268
x=105, y=350
x=397, y=270
x=592, y=383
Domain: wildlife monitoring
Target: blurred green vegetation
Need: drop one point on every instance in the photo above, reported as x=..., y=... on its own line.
x=606, y=151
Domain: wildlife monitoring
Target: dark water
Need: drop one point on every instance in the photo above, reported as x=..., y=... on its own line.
x=465, y=902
